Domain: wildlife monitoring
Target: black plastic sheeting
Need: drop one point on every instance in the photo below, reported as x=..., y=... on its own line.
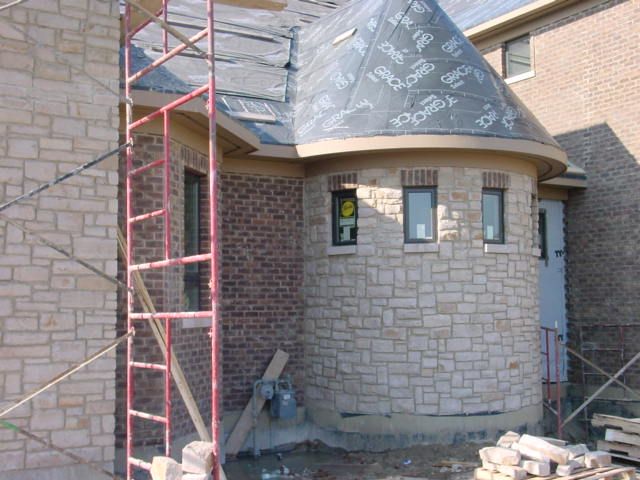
x=407, y=69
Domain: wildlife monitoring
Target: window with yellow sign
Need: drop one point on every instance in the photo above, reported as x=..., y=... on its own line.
x=345, y=217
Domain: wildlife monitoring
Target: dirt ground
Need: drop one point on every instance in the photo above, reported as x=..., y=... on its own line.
x=316, y=462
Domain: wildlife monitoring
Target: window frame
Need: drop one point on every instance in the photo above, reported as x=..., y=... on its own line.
x=542, y=234
x=499, y=192
x=192, y=278
x=506, y=58
x=405, y=211
x=336, y=196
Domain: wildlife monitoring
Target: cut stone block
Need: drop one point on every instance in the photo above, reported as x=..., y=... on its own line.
x=508, y=439
x=530, y=453
x=577, y=450
x=516, y=473
x=568, y=469
x=554, y=441
x=579, y=460
x=482, y=474
x=165, y=468
x=500, y=456
x=492, y=467
x=540, y=469
x=597, y=459
x=559, y=455
x=196, y=476
x=197, y=457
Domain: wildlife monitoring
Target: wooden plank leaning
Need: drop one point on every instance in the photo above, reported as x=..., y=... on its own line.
x=245, y=423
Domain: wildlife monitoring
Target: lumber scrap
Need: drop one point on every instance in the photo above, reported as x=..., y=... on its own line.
x=611, y=435
x=629, y=425
x=631, y=451
x=245, y=422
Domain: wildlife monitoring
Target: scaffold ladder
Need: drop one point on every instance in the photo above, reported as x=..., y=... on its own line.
x=132, y=176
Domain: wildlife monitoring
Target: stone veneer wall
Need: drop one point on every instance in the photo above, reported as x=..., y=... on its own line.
x=590, y=103
x=450, y=331
x=53, y=312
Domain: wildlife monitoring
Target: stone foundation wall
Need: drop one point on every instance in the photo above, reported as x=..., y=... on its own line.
x=449, y=330
x=54, y=116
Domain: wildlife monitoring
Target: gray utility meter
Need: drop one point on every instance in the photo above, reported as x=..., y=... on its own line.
x=283, y=402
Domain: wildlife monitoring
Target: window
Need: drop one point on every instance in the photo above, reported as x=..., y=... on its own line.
x=192, y=241
x=419, y=214
x=542, y=234
x=345, y=217
x=517, y=56
x=493, y=215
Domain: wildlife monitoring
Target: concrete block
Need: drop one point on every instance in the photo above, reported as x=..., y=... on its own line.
x=197, y=457
x=500, y=456
x=165, y=468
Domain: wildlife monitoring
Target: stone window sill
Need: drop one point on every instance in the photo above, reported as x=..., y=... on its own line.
x=500, y=248
x=431, y=247
x=341, y=250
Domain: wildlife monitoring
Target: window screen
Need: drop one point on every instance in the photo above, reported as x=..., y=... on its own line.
x=518, y=56
x=191, y=240
x=493, y=215
x=419, y=214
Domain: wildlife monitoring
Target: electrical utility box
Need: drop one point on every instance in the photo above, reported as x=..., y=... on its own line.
x=283, y=403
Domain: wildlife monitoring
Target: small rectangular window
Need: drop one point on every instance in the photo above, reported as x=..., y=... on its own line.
x=542, y=234
x=345, y=217
x=191, y=241
x=419, y=214
x=517, y=58
x=493, y=215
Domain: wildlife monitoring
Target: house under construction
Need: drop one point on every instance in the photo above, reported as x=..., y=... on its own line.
x=387, y=221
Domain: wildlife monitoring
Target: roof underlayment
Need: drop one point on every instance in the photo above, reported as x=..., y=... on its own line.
x=371, y=67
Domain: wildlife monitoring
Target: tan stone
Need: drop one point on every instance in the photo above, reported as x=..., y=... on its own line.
x=557, y=454
x=597, y=459
x=500, y=455
x=541, y=469
x=165, y=468
x=197, y=457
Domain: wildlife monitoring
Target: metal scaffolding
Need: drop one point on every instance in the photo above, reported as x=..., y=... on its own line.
x=133, y=268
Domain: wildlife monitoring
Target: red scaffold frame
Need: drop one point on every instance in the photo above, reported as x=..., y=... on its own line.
x=165, y=212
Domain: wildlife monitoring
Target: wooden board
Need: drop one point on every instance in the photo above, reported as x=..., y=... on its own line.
x=630, y=450
x=629, y=425
x=622, y=437
x=245, y=423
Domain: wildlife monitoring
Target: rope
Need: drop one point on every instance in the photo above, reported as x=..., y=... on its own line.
x=12, y=4
x=62, y=251
x=67, y=175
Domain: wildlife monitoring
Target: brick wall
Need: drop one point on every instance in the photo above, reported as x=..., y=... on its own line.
x=262, y=277
x=53, y=312
x=586, y=91
x=261, y=223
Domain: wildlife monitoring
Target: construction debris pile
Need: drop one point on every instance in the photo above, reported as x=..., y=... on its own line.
x=517, y=457
x=621, y=438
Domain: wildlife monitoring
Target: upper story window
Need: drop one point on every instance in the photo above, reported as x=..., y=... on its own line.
x=191, y=240
x=419, y=214
x=517, y=57
x=493, y=215
x=344, y=217
x=542, y=234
